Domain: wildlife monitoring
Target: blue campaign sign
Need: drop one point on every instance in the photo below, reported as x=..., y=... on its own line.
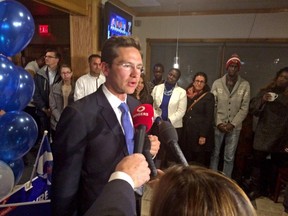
x=28, y=202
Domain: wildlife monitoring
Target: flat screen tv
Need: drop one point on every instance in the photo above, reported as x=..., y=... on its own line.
x=116, y=21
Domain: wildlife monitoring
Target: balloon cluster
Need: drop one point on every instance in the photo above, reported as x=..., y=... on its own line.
x=18, y=130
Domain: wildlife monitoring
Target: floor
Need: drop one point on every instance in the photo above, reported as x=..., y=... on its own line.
x=264, y=205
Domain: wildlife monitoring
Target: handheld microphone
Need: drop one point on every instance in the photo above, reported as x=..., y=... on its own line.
x=142, y=119
x=168, y=135
x=148, y=156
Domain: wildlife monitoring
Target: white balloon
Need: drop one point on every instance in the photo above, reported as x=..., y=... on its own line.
x=6, y=179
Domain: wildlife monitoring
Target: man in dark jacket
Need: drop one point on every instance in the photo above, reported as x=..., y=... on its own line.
x=44, y=79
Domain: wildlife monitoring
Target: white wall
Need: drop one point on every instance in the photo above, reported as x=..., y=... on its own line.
x=270, y=25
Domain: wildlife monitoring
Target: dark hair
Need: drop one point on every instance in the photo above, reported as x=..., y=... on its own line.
x=200, y=74
x=57, y=54
x=272, y=84
x=159, y=65
x=93, y=56
x=145, y=96
x=178, y=72
x=110, y=47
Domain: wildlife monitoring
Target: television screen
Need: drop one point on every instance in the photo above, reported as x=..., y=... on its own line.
x=116, y=21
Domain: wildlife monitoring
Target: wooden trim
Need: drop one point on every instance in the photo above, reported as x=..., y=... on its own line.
x=214, y=12
x=224, y=40
x=75, y=7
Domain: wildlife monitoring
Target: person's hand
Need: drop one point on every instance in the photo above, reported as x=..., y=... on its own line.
x=202, y=140
x=155, y=144
x=229, y=127
x=266, y=97
x=222, y=127
x=47, y=111
x=136, y=167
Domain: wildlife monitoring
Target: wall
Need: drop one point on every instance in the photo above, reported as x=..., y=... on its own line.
x=271, y=25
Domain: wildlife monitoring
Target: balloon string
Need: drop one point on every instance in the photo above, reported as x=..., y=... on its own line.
x=29, y=185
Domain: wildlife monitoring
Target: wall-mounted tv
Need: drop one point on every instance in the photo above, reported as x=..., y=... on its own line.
x=116, y=21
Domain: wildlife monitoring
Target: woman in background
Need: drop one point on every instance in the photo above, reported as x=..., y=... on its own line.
x=61, y=95
x=197, y=138
x=169, y=104
x=142, y=91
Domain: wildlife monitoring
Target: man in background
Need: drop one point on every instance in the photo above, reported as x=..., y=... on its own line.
x=44, y=79
x=232, y=97
x=158, y=71
x=90, y=82
x=33, y=66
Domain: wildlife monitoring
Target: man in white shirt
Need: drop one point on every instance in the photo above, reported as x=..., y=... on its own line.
x=90, y=82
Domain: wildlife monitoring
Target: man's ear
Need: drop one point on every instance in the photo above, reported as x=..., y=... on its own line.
x=105, y=68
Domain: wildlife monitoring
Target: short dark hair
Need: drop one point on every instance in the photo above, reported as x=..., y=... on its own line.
x=159, y=65
x=109, y=50
x=93, y=56
x=200, y=74
x=57, y=54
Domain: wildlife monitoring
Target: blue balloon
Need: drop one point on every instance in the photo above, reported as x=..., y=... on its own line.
x=23, y=93
x=16, y=27
x=18, y=134
x=8, y=81
x=17, y=167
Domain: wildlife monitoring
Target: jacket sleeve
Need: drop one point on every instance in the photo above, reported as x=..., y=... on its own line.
x=209, y=106
x=53, y=106
x=244, y=108
x=37, y=97
x=117, y=199
x=181, y=108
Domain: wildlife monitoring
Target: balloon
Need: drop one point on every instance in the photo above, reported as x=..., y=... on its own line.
x=17, y=167
x=8, y=81
x=6, y=179
x=16, y=27
x=23, y=93
x=18, y=133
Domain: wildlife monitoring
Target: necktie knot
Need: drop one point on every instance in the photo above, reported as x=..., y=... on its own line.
x=124, y=108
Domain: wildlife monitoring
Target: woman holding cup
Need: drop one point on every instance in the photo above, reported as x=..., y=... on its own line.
x=271, y=133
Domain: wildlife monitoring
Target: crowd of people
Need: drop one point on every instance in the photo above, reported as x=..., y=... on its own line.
x=89, y=137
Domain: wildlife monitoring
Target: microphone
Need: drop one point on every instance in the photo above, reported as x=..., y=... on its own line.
x=168, y=135
x=148, y=156
x=142, y=119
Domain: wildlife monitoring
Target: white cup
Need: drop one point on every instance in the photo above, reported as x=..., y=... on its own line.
x=273, y=96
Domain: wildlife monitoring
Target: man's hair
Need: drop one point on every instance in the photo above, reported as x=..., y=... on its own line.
x=159, y=65
x=93, y=56
x=110, y=47
x=57, y=54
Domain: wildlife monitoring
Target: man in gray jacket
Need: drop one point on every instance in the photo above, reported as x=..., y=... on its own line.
x=232, y=96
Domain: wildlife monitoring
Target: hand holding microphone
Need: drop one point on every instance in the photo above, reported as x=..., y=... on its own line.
x=143, y=120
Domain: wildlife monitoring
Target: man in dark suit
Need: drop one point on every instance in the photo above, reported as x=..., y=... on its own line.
x=90, y=140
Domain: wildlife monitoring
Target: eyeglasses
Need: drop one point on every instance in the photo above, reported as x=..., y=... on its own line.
x=66, y=73
x=199, y=81
x=129, y=67
x=50, y=57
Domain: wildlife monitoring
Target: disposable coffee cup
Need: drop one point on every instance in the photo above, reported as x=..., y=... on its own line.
x=273, y=96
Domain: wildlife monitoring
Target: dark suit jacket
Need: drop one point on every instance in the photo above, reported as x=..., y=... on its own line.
x=117, y=199
x=89, y=144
